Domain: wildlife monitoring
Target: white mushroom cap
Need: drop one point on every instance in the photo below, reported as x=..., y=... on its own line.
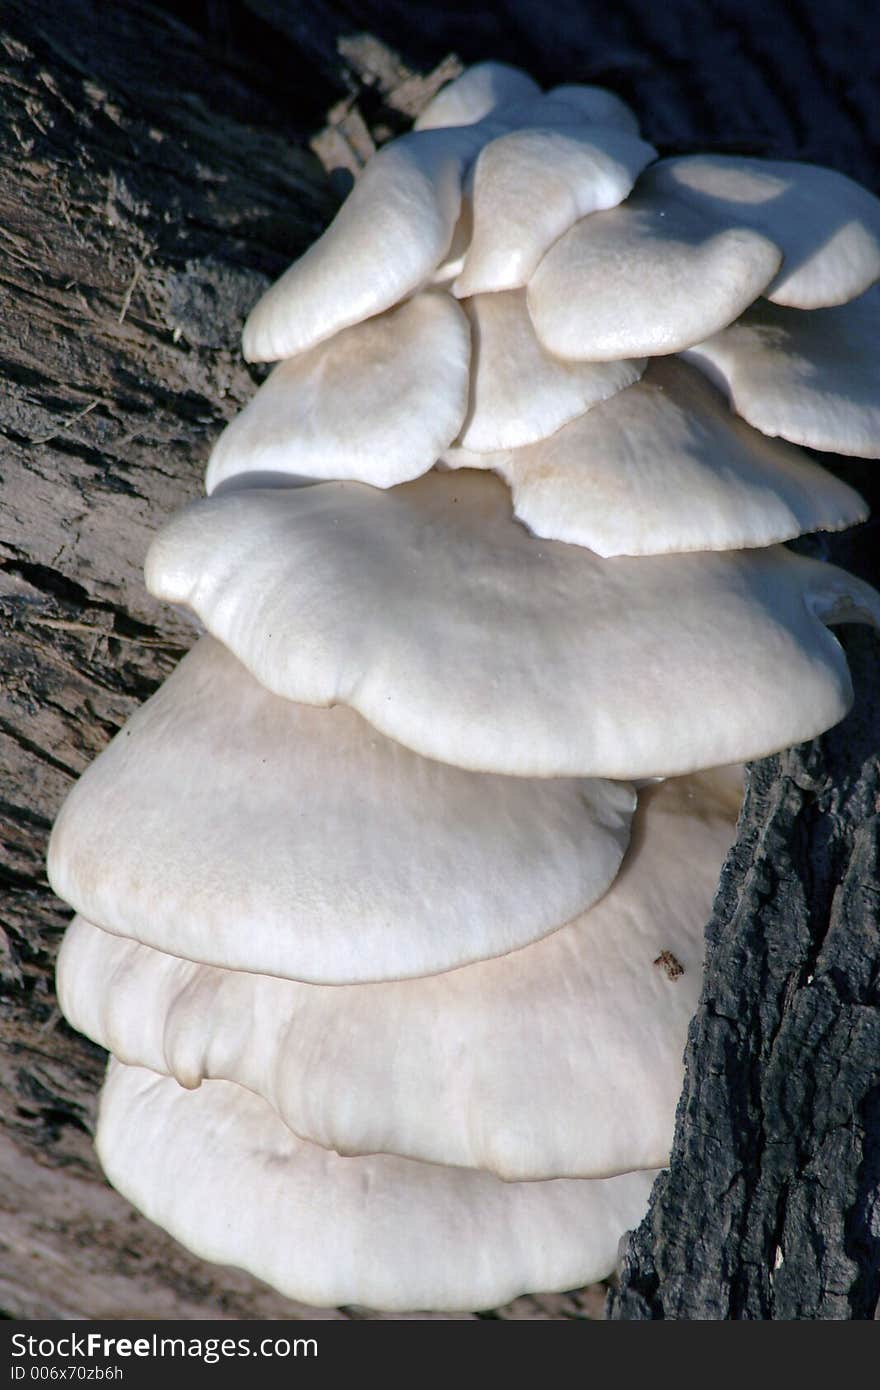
x=647, y=278
x=401, y=226
x=589, y=162
x=435, y=614
x=218, y=1170
x=519, y=392
x=389, y=236
x=472, y=96
x=453, y=261
x=563, y=105
x=379, y=402
x=664, y=467
x=457, y=456
x=594, y=104
x=813, y=378
x=229, y=826
x=530, y=186
x=827, y=226
x=563, y=1059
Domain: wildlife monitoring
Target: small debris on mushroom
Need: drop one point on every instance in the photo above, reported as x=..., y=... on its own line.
x=672, y=967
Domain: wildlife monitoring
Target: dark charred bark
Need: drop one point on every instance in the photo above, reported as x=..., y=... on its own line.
x=156, y=174
x=771, y=1206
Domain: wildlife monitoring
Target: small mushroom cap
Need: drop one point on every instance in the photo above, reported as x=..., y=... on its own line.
x=379, y=402
x=563, y=1059
x=664, y=467
x=563, y=105
x=519, y=392
x=218, y=1170
x=457, y=456
x=647, y=278
x=827, y=226
x=434, y=613
x=389, y=236
x=228, y=826
x=595, y=104
x=472, y=96
x=530, y=186
x=812, y=378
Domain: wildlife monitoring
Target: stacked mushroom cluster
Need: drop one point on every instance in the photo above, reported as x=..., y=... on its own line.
x=356, y=867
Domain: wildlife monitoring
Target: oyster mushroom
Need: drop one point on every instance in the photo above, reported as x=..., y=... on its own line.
x=811, y=378
x=519, y=392
x=827, y=226
x=230, y=1180
x=377, y=402
x=478, y=92
x=407, y=199
x=721, y=485
x=529, y=186
x=561, y=1059
x=430, y=610
x=652, y=276
x=230, y=826
x=379, y=908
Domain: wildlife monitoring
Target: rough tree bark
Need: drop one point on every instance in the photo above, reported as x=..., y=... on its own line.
x=156, y=174
x=771, y=1205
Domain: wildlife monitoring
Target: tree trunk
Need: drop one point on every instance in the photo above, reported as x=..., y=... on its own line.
x=771, y=1205
x=156, y=175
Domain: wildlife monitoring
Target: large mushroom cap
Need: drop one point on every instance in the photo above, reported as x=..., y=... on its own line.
x=661, y=467
x=378, y=402
x=561, y=1059
x=434, y=613
x=519, y=392
x=391, y=233
x=219, y=1170
x=230, y=826
x=647, y=278
x=827, y=226
x=813, y=378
